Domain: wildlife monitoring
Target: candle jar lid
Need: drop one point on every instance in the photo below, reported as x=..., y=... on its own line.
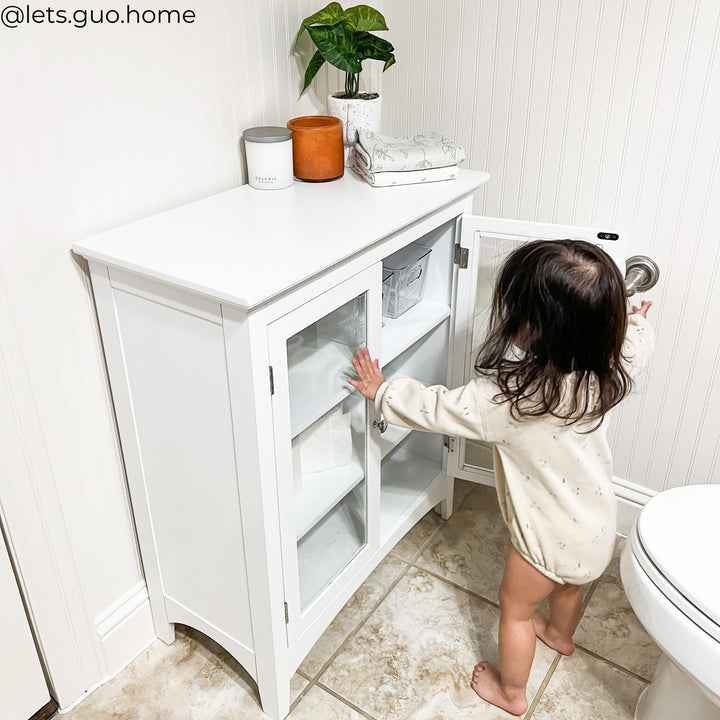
x=267, y=134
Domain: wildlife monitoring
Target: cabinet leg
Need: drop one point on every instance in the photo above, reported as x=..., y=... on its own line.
x=446, y=506
x=274, y=697
x=163, y=629
x=166, y=632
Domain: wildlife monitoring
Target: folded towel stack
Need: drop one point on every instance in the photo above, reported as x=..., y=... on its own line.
x=383, y=161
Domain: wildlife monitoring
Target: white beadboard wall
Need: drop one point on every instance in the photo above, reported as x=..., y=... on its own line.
x=100, y=126
x=601, y=113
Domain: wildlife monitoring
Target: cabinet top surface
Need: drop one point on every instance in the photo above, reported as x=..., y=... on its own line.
x=245, y=246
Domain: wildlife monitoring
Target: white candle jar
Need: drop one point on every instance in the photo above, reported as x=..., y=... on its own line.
x=269, y=157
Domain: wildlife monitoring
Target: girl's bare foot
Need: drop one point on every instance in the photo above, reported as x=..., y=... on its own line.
x=486, y=683
x=550, y=638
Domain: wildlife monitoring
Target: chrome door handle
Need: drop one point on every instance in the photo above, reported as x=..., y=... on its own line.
x=641, y=274
x=381, y=425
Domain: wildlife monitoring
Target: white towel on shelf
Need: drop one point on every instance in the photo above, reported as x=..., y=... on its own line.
x=404, y=177
x=382, y=153
x=326, y=444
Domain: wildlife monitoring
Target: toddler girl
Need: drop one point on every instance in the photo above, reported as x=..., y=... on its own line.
x=561, y=351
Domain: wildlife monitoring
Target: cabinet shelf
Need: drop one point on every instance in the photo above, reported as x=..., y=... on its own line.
x=321, y=491
x=316, y=384
x=328, y=548
x=405, y=477
x=400, y=333
x=391, y=438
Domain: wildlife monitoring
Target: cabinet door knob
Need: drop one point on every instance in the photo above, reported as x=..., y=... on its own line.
x=381, y=425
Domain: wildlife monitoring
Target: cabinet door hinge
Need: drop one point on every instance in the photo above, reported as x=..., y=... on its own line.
x=461, y=256
x=272, y=381
x=449, y=443
x=287, y=617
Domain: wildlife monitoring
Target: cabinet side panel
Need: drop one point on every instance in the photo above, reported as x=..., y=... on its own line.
x=177, y=380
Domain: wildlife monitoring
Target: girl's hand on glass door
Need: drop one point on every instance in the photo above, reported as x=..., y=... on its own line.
x=369, y=376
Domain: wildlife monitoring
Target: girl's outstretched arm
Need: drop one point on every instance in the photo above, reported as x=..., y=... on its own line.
x=369, y=376
x=642, y=310
x=409, y=403
x=639, y=340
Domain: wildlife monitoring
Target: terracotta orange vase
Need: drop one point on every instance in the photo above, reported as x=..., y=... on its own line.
x=317, y=147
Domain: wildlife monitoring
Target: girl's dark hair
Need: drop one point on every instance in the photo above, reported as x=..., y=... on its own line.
x=563, y=303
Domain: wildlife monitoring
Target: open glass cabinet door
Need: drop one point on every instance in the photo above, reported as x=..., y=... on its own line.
x=489, y=241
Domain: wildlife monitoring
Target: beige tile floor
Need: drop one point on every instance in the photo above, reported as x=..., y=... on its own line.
x=404, y=646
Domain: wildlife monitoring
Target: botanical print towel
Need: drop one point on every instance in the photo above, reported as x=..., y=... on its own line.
x=381, y=153
x=403, y=177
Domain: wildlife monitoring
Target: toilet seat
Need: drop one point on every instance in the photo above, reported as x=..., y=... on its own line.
x=676, y=542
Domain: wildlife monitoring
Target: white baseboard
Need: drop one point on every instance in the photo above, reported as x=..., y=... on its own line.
x=125, y=629
x=631, y=500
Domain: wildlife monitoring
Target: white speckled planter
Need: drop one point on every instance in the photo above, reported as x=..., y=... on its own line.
x=355, y=114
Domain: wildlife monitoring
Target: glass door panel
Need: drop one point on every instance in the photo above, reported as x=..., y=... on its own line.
x=328, y=446
x=478, y=456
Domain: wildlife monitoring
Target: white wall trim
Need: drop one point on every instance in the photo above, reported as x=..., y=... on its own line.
x=631, y=500
x=108, y=620
x=125, y=628
x=626, y=490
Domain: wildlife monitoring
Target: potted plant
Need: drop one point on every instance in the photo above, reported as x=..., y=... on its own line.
x=344, y=39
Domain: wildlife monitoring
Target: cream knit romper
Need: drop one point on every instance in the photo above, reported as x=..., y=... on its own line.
x=553, y=480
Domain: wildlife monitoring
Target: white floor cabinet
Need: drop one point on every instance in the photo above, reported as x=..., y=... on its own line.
x=264, y=489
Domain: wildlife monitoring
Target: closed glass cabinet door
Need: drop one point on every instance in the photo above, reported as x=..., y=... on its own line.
x=328, y=446
x=321, y=441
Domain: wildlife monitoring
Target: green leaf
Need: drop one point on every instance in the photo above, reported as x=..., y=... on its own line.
x=363, y=18
x=338, y=46
x=329, y=15
x=388, y=62
x=371, y=44
x=374, y=48
x=316, y=62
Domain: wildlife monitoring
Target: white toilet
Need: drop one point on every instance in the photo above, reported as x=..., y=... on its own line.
x=670, y=569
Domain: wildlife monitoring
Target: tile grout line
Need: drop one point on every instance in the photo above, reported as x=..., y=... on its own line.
x=426, y=544
x=345, y=701
x=612, y=664
x=588, y=596
x=417, y=553
x=543, y=686
x=317, y=684
x=303, y=692
x=455, y=585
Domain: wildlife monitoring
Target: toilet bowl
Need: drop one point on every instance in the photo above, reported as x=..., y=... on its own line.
x=671, y=575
